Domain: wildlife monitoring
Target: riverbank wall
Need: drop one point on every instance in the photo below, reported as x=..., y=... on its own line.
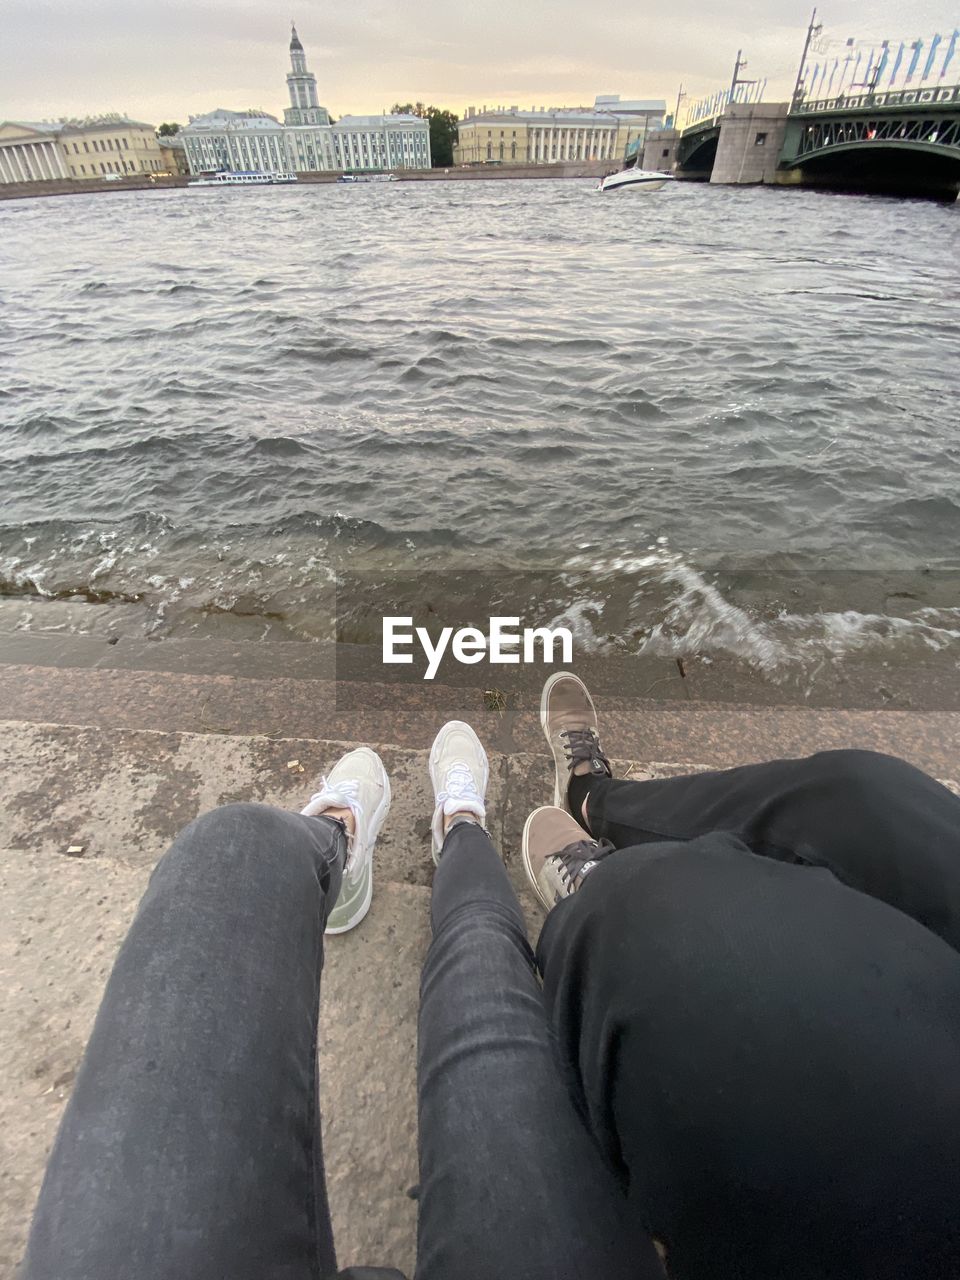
x=76, y=187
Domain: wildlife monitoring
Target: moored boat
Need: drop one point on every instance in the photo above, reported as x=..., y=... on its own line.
x=231, y=179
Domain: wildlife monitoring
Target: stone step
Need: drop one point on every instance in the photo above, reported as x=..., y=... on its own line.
x=122, y=795
x=718, y=734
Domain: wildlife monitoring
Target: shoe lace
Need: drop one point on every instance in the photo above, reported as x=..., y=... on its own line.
x=459, y=784
x=581, y=745
x=576, y=860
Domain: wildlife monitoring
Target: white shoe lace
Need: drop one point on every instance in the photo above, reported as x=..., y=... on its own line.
x=344, y=794
x=459, y=784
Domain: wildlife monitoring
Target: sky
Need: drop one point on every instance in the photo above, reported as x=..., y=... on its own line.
x=168, y=61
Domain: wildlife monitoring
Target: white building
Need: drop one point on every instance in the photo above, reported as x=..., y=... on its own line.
x=306, y=142
x=241, y=141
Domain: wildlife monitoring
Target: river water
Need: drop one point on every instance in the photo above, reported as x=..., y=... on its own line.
x=704, y=421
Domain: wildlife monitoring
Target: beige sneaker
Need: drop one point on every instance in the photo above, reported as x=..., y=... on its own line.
x=358, y=782
x=459, y=772
x=569, y=721
x=556, y=854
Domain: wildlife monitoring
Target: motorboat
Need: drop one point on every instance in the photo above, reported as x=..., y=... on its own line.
x=635, y=179
x=231, y=179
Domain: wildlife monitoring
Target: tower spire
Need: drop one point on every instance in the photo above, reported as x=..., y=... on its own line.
x=302, y=84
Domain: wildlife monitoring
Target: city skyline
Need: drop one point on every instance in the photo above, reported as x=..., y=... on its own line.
x=367, y=58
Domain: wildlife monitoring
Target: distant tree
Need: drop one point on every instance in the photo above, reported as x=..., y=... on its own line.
x=443, y=129
x=168, y=130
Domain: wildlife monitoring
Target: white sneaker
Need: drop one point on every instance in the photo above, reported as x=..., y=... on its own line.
x=459, y=772
x=358, y=782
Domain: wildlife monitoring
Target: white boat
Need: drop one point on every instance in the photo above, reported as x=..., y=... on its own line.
x=228, y=179
x=367, y=177
x=635, y=180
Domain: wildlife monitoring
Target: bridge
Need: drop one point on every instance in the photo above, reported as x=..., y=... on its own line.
x=906, y=141
x=902, y=142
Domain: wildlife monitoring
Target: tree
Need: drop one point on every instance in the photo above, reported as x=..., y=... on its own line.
x=443, y=129
x=168, y=130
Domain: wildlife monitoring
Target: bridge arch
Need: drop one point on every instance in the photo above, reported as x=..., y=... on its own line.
x=884, y=168
x=697, y=151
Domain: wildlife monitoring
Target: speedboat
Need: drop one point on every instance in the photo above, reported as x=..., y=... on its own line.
x=635, y=180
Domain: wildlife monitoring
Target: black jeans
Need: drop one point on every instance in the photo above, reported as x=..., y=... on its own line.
x=759, y=1048
x=756, y=1003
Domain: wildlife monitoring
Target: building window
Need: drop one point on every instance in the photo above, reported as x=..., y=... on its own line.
x=489, y=150
x=126, y=145
x=664, y=153
x=86, y=147
x=513, y=151
x=83, y=168
x=760, y=140
x=73, y=171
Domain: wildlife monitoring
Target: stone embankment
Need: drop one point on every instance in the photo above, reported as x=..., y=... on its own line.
x=76, y=187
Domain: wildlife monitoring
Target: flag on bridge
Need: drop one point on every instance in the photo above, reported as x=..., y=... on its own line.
x=951, y=50
x=928, y=66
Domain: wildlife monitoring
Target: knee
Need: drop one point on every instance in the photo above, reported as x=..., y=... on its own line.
x=235, y=824
x=233, y=839
x=861, y=775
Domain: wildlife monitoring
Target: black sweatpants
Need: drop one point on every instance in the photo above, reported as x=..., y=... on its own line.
x=756, y=1006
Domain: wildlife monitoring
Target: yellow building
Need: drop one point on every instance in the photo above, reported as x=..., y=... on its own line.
x=31, y=152
x=110, y=145
x=173, y=153
x=608, y=131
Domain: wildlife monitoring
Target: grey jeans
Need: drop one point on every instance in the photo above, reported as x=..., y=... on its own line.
x=190, y=1147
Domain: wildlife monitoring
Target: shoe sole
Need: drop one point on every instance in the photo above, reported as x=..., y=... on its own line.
x=434, y=757
x=525, y=855
x=376, y=823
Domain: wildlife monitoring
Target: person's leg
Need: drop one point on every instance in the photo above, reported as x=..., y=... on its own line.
x=879, y=824
x=769, y=1058
x=511, y=1183
x=190, y=1147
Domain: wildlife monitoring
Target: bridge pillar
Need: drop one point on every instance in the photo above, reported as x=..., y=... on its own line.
x=751, y=139
x=660, y=150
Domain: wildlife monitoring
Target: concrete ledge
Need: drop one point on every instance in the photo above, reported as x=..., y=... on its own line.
x=122, y=794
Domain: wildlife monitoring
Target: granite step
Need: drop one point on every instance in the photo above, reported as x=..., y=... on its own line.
x=103, y=760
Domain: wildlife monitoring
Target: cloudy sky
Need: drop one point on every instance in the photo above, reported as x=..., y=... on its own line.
x=167, y=61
